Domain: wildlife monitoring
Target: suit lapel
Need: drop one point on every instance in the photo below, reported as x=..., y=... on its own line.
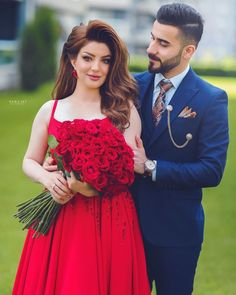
x=146, y=84
x=186, y=90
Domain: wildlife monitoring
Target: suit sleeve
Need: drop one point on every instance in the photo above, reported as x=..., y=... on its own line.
x=213, y=141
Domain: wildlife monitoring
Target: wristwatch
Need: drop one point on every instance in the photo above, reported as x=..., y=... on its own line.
x=149, y=167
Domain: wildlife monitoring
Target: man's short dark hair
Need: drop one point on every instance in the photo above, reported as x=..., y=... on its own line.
x=185, y=17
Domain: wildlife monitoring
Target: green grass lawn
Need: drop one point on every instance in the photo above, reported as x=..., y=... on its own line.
x=216, y=273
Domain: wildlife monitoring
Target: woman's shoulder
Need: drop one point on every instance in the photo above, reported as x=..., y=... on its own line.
x=133, y=109
x=47, y=106
x=45, y=111
x=134, y=119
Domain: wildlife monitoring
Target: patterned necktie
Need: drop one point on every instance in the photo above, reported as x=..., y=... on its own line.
x=159, y=105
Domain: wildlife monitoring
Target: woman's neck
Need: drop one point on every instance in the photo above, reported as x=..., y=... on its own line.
x=88, y=95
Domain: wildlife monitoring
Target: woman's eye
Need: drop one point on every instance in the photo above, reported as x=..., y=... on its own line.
x=107, y=61
x=87, y=58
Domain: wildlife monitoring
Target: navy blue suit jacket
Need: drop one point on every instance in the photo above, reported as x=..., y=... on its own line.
x=170, y=209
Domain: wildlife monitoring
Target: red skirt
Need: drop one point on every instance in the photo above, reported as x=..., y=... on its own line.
x=94, y=247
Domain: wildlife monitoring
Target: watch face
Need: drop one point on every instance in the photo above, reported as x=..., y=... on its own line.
x=150, y=165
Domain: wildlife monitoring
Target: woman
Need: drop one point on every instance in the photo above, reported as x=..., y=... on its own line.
x=94, y=246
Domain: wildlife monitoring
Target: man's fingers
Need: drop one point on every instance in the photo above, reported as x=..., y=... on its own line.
x=139, y=141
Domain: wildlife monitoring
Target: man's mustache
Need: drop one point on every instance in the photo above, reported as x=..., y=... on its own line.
x=154, y=57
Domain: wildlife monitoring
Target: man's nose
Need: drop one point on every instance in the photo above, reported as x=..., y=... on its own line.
x=152, y=48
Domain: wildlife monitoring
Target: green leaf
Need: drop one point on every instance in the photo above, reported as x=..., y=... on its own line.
x=59, y=162
x=52, y=141
x=77, y=175
x=67, y=174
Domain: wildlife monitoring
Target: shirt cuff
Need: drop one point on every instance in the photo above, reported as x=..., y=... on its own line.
x=154, y=173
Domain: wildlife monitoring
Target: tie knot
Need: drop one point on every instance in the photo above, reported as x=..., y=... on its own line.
x=165, y=85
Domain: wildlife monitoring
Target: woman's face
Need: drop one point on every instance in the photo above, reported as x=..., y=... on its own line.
x=92, y=64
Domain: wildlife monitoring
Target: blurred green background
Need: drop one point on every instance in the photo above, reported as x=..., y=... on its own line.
x=216, y=273
x=30, y=33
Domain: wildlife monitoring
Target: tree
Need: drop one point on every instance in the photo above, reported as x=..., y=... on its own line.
x=39, y=49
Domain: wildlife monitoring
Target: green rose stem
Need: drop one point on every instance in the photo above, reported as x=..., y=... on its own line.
x=38, y=213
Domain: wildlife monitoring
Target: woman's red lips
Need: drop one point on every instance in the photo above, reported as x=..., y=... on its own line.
x=95, y=77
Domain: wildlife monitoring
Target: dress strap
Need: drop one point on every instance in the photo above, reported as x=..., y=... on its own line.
x=54, y=109
x=51, y=121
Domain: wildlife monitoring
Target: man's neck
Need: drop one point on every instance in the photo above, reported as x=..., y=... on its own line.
x=175, y=71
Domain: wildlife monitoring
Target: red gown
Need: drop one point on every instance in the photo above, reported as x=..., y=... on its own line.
x=93, y=248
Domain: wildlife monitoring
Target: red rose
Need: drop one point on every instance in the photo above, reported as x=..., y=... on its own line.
x=91, y=128
x=77, y=164
x=111, y=154
x=116, y=168
x=125, y=178
x=89, y=172
x=62, y=148
x=103, y=163
x=67, y=160
x=100, y=182
x=128, y=158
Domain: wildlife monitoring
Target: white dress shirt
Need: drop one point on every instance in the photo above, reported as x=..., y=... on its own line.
x=176, y=80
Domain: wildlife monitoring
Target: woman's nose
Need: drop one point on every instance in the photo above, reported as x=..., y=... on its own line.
x=95, y=66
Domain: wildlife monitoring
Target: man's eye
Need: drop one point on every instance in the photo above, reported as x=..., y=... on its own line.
x=163, y=43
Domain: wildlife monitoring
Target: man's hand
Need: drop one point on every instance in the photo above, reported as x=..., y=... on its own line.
x=139, y=156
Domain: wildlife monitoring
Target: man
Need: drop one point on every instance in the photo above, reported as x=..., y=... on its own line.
x=173, y=170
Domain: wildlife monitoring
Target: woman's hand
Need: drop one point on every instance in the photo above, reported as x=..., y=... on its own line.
x=74, y=185
x=58, y=187
x=83, y=188
x=49, y=164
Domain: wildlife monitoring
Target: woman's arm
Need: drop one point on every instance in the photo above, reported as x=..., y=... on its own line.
x=35, y=154
x=134, y=128
x=132, y=137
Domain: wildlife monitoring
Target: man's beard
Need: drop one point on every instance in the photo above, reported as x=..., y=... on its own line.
x=165, y=66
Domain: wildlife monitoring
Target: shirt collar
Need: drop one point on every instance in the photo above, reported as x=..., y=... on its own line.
x=176, y=80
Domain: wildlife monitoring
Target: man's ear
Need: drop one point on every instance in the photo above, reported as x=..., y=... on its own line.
x=189, y=51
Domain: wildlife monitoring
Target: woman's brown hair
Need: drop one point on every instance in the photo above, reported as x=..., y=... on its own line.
x=119, y=90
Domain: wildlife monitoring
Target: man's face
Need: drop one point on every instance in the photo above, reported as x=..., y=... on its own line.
x=165, y=49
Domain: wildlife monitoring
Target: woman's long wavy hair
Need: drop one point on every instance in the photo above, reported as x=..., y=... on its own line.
x=119, y=89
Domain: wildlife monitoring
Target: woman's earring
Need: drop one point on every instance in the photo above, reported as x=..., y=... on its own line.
x=74, y=74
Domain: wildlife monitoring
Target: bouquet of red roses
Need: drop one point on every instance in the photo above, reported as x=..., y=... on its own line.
x=97, y=154
x=96, y=151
